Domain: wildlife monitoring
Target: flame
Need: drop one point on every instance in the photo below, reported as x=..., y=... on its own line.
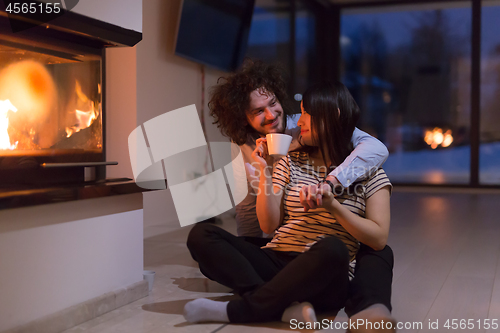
x=5, y=106
x=436, y=137
x=84, y=118
x=30, y=87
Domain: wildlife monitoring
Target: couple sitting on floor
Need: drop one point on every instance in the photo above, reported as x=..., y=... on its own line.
x=328, y=250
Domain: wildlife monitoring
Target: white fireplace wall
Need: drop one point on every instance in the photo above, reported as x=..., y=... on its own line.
x=59, y=255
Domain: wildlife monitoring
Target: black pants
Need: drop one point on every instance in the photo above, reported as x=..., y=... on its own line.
x=269, y=281
x=372, y=280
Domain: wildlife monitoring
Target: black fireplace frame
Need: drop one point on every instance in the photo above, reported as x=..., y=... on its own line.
x=68, y=34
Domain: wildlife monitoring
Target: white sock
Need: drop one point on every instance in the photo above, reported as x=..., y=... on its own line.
x=302, y=312
x=203, y=309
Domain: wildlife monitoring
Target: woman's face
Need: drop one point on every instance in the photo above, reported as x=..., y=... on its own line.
x=306, y=130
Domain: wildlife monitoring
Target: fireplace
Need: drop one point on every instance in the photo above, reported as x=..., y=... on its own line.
x=52, y=100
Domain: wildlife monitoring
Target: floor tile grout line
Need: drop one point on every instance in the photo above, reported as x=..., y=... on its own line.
x=444, y=281
x=218, y=329
x=408, y=267
x=494, y=282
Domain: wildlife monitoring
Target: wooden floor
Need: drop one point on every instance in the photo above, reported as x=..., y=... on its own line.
x=447, y=266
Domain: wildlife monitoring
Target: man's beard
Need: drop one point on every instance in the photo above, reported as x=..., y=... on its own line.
x=278, y=129
x=269, y=122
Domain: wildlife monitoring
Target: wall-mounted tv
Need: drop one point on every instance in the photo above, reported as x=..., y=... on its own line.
x=214, y=32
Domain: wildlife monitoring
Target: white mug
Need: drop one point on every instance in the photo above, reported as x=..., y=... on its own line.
x=278, y=144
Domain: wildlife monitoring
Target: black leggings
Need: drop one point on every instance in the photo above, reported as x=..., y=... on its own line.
x=372, y=280
x=269, y=281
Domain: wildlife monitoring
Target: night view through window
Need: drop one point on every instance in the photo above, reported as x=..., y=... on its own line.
x=409, y=70
x=489, y=152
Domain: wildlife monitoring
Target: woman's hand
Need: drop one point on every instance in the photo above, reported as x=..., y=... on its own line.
x=314, y=201
x=260, y=154
x=269, y=205
x=314, y=196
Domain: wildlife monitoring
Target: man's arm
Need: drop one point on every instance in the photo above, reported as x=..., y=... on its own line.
x=368, y=155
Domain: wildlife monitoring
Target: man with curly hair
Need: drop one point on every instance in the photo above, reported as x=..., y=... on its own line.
x=247, y=105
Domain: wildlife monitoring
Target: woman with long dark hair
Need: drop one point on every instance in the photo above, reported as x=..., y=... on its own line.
x=310, y=259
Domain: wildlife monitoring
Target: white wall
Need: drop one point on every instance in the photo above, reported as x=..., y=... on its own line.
x=56, y=256
x=124, y=13
x=166, y=82
x=121, y=108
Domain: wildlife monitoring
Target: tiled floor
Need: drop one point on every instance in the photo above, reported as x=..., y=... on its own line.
x=447, y=254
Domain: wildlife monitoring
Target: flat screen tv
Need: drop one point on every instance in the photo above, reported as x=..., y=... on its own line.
x=214, y=32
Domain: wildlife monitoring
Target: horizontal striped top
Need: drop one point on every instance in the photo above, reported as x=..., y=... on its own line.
x=300, y=230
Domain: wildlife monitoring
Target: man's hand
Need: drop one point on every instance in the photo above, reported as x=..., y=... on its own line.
x=312, y=196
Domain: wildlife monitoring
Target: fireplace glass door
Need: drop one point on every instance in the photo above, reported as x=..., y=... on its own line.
x=50, y=102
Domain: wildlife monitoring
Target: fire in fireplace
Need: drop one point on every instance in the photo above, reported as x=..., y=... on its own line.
x=52, y=114
x=48, y=103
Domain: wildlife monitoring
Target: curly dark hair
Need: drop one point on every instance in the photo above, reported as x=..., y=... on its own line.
x=230, y=98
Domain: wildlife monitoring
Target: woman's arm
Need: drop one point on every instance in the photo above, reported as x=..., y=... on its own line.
x=269, y=203
x=372, y=230
x=269, y=197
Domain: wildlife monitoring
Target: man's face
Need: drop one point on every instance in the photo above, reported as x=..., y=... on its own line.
x=265, y=114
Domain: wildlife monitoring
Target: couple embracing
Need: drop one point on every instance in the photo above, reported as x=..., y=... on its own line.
x=303, y=245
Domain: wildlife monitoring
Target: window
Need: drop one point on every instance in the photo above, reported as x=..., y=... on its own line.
x=269, y=38
x=489, y=149
x=274, y=39
x=408, y=67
